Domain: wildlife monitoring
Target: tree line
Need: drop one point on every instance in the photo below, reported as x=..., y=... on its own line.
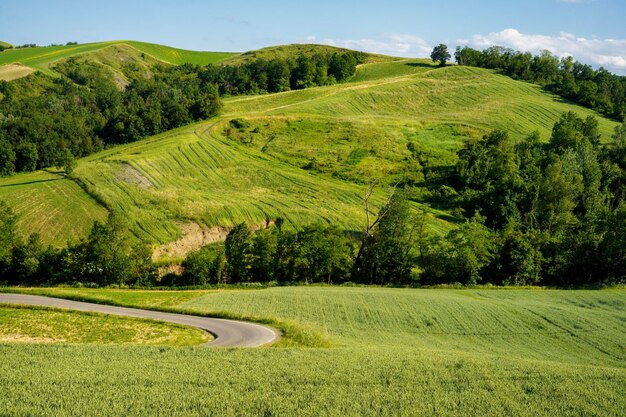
x=598, y=89
x=45, y=121
x=280, y=74
x=536, y=213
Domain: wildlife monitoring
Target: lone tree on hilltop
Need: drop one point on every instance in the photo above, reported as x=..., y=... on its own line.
x=440, y=53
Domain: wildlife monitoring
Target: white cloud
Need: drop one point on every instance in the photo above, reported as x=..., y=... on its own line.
x=609, y=53
x=395, y=45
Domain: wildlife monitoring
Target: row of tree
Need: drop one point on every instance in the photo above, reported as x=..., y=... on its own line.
x=280, y=74
x=597, y=89
x=110, y=255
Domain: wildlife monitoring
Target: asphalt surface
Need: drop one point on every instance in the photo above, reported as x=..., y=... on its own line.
x=227, y=333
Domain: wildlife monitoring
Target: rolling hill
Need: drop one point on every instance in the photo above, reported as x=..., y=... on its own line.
x=42, y=58
x=302, y=155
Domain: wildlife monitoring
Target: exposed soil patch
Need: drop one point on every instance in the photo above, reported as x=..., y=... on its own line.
x=12, y=72
x=196, y=236
x=20, y=338
x=130, y=175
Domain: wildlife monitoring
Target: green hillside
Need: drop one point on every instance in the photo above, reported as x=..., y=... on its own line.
x=395, y=352
x=48, y=204
x=5, y=44
x=306, y=155
x=41, y=58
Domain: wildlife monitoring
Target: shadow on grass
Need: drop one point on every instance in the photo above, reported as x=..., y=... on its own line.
x=420, y=65
x=30, y=182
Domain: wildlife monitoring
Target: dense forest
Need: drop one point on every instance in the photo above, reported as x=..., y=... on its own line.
x=597, y=89
x=536, y=213
x=46, y=122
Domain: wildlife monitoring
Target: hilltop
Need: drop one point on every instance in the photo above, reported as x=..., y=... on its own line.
x=295, y=50
x=301, y=155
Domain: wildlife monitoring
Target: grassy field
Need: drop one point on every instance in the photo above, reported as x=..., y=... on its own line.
x=306, y=155
x=49, y=204
x=396, y=352
x=41, y=58
x=44, y=325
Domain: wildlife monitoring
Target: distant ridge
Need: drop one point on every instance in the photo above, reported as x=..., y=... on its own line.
x=41, y=58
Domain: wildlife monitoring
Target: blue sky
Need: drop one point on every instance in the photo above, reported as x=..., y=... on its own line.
x=594, y=31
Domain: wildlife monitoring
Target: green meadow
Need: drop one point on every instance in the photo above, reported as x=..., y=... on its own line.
x=393, y=352
x=47, y=325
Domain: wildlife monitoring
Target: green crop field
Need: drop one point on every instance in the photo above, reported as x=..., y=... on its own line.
x=49, y=204
x=45, y=325
x=41, y=58
x=394, y=352
x=307, y=155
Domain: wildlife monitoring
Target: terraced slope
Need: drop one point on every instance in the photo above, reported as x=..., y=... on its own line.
x=42, y=58
x=49, y=204
x=306, y=155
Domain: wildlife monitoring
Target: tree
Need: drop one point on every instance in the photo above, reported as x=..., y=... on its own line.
x=383, y=256
x=69, y=163
x=237, y=250
x=7, y=234
x=7, y=158
x=440, y=53
x=462, y=255
x=204, y=266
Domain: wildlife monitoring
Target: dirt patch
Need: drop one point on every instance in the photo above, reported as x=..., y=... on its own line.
x=130, y=175
x=170, y=269
x=12, y=72
x=20, y=338
x=195, y=237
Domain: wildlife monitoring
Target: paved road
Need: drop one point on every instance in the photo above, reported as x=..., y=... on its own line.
x=228, y=333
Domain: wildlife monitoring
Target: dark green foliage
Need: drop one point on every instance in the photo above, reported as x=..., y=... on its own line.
x=7, y=234
x=384, y=255
x=237, y=250
x=204, y=266
x=462, y=256
x=276, y=75
x=549, y=205
x=596, y=89
x=440, y=54
x=7, y=158
x=313, y=254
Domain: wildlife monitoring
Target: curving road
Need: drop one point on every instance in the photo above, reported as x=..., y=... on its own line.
x=227, y=333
